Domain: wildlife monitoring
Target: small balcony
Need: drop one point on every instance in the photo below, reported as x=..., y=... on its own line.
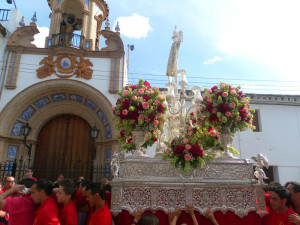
x=67, y=40
x=4, y=14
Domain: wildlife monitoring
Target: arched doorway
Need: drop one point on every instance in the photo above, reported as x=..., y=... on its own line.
x=64, y=146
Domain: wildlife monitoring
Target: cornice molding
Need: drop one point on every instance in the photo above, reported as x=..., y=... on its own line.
x=268, y=99
x=16, y=140
x=65, y=50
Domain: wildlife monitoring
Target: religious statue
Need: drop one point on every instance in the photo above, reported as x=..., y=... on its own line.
x=173, y=57
x=261, y=161
x=83, y=69
x=48, y=67
x=115, y=163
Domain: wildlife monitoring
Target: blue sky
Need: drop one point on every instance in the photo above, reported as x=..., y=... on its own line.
x=252, y=43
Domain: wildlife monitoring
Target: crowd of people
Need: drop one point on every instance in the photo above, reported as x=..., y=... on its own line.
x=82, y=202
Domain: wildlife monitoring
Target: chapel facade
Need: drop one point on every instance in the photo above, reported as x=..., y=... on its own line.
x=62, y=92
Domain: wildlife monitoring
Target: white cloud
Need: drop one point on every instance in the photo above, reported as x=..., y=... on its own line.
x=212, y=61
x=262, y=31
x=134, y=26
x=39, y=39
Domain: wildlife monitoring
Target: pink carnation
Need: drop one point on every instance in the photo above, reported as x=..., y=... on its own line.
x=212, y=133
x=141, y=91
x=233, y=92
x=225, y=94
x=124, y=112
x=185, y=140
x=227, y=114
x=208, y=91
x=187, y=147
x=134, y=97
x=189, y=133
x=145, y=105
x=223, y=85
x=232, y=105
x=187, y=157
x=209, y=100
x=141, y=117
x=125, y=93
x=156, y=122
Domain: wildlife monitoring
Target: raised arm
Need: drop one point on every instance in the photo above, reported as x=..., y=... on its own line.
x=173, y=216
x=4, y=195
x=210, y=215
x=191, y=211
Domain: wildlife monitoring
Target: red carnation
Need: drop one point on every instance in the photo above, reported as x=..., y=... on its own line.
x=140, y=107
x=151, y=117
x=147, y=84
x=133, y=115
x=214, y=88
x=209, y=107
x=213, y=117
x=126, y=104
x=118, y=102
x=146, y=98
x=133, y=87
x=179, y=150
x=122, y=116
x=129, y=140
x=196, y=151
x=160, y=108
x=122, y=133
x=223, y=108
x=154, y=139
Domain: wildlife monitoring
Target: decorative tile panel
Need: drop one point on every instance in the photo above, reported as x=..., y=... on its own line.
x=58, y=97
x=108, y=132
x=76, y=98
x=87, y=45
x=107, y=170
x=27, y=113
x=42, y=102
x=108, y=154
x=102, y=116
x=16, y=130
x=8, y=168
x=91, y=104
x=12, y=151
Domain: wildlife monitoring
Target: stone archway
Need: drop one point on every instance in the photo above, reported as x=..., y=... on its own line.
x=42, y=102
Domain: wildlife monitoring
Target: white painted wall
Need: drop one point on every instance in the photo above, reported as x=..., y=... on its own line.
x=27, y=77
x=279, y=140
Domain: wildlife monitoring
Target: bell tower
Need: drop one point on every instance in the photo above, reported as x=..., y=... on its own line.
x=76, y=23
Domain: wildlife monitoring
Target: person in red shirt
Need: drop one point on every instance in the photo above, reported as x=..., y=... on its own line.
x=100, y=214
x=21, y=208
x=9, y=182
x=65, y=195
x=294, y=189
x=47, y=213
x=29, y=173
x=280, y=206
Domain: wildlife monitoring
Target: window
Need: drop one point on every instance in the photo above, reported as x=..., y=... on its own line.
x=256, y=120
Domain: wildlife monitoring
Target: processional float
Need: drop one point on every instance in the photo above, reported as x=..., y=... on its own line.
x=191, y=173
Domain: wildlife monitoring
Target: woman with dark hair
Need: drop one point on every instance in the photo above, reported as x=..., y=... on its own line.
x=147, y=219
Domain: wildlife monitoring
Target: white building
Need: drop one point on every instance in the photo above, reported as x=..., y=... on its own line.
x=71, y=85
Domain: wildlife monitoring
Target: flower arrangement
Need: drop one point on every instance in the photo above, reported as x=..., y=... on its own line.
x=192, y=147
x=139, y=105
x=226, y=107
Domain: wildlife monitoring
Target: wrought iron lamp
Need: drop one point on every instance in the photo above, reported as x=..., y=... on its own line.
x=94, y=133
x=25, y=130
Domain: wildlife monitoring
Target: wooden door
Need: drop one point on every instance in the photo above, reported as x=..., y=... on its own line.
x=64, y=147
